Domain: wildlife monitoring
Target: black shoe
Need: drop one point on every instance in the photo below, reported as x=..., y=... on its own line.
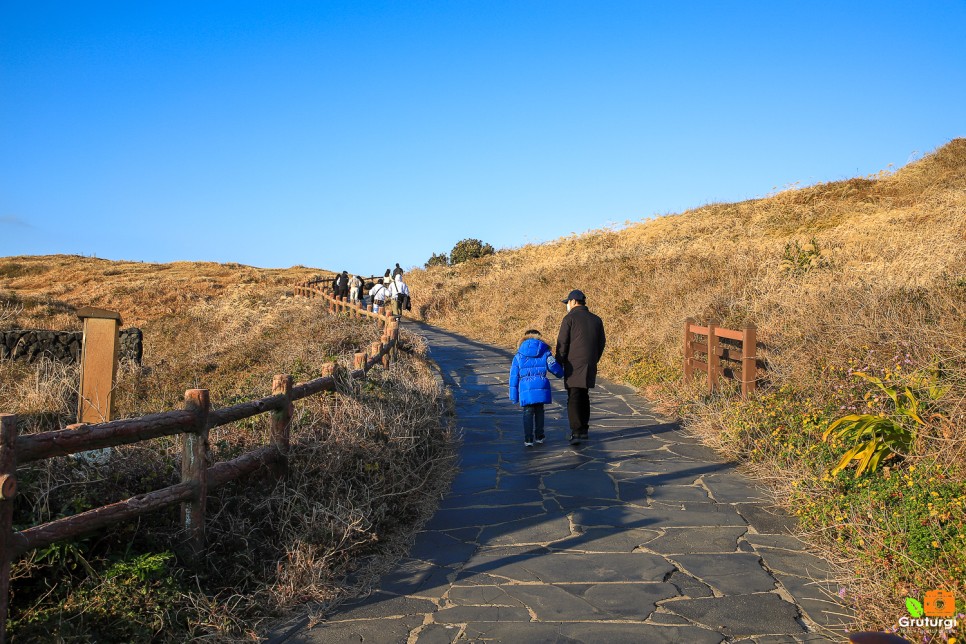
x=574, y=439
x=582, y=436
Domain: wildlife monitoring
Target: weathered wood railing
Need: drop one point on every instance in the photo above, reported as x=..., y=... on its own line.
x=193, y=423
x=316, y=289
x=714, y=351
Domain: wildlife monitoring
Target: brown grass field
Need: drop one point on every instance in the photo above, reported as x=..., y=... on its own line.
x=363, y=473
x=867, y=274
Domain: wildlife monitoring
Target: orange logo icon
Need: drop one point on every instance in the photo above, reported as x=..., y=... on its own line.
x=939, y=603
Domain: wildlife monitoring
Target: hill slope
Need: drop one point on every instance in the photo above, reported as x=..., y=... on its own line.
x=867, y=274
x=882, y=241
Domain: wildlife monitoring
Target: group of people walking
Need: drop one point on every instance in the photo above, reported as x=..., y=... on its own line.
x=580, y=343
x=390, y=290
x=579, y=346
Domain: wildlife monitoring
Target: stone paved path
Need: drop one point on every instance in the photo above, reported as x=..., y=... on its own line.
x=640, y=535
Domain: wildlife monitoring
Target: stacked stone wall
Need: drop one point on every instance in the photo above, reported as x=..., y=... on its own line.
x=63, y=346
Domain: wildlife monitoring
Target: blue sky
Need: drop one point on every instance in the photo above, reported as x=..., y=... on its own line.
x=352, y=135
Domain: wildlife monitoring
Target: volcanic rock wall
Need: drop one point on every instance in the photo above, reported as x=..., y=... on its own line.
x=65, y=346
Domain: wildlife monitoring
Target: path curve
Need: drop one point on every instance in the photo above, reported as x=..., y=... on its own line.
x=640, y=535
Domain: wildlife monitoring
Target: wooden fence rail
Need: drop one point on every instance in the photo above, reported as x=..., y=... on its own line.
x=707, y=355
x=317, y=289
x=193, y=423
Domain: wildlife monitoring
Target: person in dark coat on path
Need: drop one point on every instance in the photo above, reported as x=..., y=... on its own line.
x=343, y=284
x=396, y=272
x=580, y=344
x=529, y=384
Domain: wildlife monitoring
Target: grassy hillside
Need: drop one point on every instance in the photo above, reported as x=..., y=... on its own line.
x=355, y=491
x=867, y=274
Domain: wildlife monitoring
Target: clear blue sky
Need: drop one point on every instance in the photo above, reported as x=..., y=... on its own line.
x=352, y=135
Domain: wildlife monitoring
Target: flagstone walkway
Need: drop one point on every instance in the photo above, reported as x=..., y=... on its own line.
x=639, y=535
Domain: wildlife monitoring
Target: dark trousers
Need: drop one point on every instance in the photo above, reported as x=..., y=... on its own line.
x=578, y=409
x=532, y=419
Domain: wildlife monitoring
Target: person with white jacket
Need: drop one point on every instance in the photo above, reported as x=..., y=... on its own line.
x=355, y=289
x=399, y=294
x=379, y=294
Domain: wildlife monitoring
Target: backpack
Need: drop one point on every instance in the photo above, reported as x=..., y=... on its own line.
x=400, y=297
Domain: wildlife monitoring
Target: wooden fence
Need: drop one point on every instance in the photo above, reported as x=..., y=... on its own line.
x=193, y=423
x=320, y=289
x=722, y=350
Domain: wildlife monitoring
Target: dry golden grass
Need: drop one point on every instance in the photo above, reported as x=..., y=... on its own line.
x=364, y=473
x=44, y=291
x=896, y=253
x=887, y=276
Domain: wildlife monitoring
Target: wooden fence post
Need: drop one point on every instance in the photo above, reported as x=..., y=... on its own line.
x=374, y=350
x=281, y=422
x=194, y=467
x=394, y=338
x=385, y=345
x=713, y=362
x=688, y=349
x=8, y=490
x=99, y=356
x=749, y=358
x=359, y=362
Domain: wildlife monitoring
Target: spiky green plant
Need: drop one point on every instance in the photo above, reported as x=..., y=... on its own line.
x=876, y=437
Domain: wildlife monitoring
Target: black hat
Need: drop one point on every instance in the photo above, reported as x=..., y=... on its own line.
x=574, y=295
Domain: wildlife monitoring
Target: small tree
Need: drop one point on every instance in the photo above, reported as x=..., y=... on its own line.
x=438, y=259
x=469, y=249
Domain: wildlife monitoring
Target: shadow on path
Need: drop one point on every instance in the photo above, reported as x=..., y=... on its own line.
x=640, y=534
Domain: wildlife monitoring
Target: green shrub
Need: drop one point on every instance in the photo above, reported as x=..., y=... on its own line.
x=798, y=259
x=469, y=249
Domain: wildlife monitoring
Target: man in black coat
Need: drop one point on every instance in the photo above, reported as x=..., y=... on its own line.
x=342, y=282
x=580, y=344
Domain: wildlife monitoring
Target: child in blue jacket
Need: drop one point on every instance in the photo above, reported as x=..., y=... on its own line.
x=529, y=384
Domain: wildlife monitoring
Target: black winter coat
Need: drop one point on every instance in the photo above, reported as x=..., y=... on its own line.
x=580, y=344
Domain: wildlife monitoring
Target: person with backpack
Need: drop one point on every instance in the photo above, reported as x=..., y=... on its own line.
x=529, y=385
x=399, y=294
x=379, y=294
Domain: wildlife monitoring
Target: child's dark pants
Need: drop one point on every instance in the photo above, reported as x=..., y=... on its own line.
x=532, y=416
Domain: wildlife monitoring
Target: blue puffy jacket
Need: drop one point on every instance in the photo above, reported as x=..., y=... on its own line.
x=528, y=373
